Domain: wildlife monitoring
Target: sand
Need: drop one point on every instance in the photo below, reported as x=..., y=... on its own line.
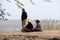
x=18, y=35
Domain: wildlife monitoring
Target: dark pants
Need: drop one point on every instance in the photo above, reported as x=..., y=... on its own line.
x=29, y=30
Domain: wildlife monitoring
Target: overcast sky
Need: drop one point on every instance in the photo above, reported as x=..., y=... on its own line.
x=41, y=9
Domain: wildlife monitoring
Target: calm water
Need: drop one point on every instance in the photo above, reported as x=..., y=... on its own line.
x=11, y=25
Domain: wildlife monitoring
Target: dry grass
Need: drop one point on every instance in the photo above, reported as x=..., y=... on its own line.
x=44, y=35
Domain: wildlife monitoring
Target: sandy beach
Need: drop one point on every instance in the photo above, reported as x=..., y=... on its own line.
x=18, y=35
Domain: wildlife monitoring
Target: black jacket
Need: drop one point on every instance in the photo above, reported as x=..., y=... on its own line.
x=29, y=26
x=24, y=16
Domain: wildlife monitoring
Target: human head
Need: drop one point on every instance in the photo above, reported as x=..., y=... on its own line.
x=23, y=10
x=37, y=21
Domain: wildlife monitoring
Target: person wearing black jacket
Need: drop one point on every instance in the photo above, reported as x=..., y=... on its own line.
x=23, y=17
x=29, y=27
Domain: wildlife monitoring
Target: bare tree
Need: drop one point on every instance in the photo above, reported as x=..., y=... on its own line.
x=2, y=13
x=19, y=4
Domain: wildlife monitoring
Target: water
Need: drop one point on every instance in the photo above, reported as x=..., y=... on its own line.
x=10, y=25
x=15, y=25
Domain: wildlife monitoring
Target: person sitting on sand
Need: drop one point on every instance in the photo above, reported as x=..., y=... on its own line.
x=38, y=26
x=29, y=26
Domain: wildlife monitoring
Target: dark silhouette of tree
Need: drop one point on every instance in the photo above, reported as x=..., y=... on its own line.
x=19, y=4
x=2, y=13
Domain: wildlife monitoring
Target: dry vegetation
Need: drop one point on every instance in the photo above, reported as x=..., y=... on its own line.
x=44, y=35
x=50, y=24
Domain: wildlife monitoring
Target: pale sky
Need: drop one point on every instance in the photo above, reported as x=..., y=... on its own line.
x=41, y=9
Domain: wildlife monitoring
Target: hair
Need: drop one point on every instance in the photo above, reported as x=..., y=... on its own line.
x=23, y=9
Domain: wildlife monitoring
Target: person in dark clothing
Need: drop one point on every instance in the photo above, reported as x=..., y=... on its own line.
x=28, y=27
x=23, y=17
